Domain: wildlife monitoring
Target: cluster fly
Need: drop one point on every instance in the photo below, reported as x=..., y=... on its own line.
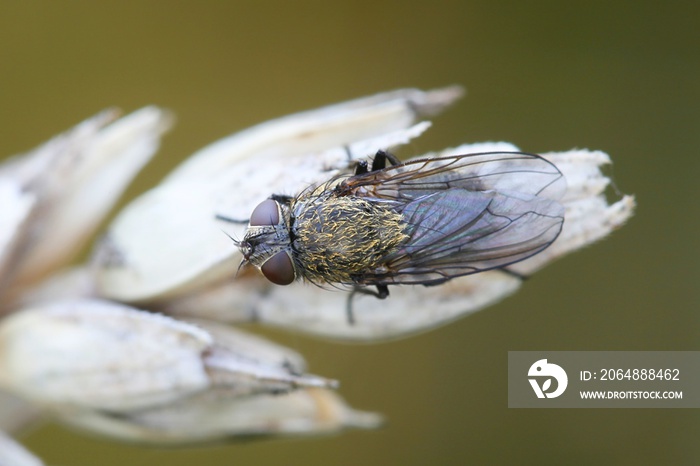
x=421, y=222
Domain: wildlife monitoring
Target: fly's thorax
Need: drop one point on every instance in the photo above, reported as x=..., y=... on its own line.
x=337, y=238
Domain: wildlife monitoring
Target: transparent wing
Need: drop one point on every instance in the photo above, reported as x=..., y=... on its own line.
x=458, y=232
x=464, y=214
x=512, y=171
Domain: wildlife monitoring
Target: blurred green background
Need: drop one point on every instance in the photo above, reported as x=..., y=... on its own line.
x=547, y=75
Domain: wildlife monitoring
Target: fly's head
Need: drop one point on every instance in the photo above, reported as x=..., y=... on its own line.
x=267, y=243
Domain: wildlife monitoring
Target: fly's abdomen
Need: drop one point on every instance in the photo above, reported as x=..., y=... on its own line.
x=338, y=238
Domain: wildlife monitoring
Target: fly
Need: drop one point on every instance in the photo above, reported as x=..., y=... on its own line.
x=421, y=222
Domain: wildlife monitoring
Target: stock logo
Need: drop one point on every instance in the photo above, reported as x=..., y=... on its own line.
x=544, y=372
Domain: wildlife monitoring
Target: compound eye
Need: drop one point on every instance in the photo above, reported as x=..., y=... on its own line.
x=265, y=214
x=279, y=269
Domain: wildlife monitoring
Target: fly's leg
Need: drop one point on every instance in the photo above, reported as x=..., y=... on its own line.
x=361, y=167
x=381, y=293
x=379, y=162
x=224, y=218
x=513, y=273
x=380, y=159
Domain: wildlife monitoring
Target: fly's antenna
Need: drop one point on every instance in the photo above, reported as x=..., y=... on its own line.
x=235, y=241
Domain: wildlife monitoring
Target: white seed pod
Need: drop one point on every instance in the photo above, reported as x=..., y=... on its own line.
x=240, y=364
x=91, y=354
x=100, y=355
x=67, y=284
x=214, y=416
x=17, y=205
x=230, y=177
x=72, y=181
x=318, y=130
x=304, y=307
